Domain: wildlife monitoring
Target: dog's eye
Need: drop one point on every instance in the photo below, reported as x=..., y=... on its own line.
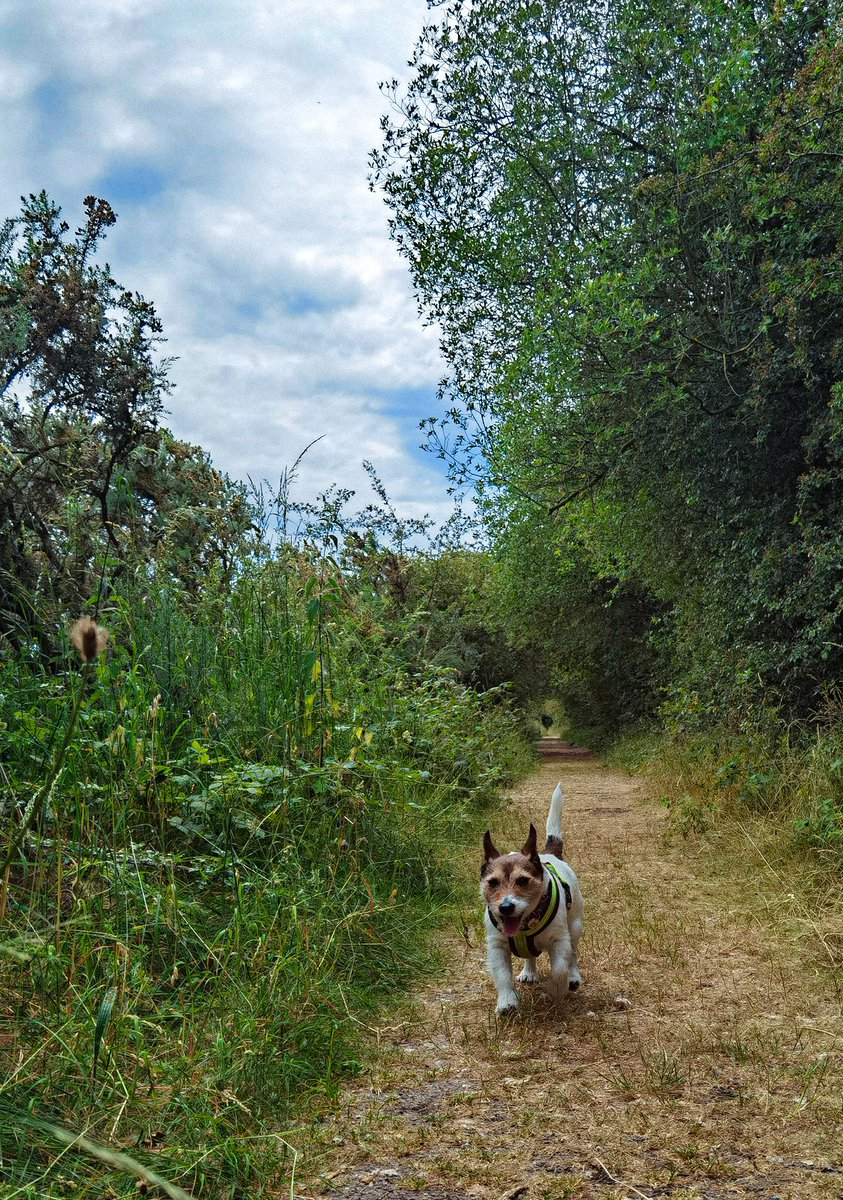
x=493, y=882
x=523, y=881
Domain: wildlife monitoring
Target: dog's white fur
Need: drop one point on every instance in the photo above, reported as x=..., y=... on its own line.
x=559, y=939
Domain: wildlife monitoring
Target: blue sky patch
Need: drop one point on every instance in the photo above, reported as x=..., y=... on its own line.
x=303, y=303
x=54, y=103
x=414, y=404
x=131, y=183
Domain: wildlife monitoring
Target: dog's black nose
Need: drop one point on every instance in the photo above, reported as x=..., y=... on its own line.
x=507, y=907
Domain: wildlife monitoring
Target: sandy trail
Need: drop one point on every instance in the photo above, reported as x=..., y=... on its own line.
x=701, y=1060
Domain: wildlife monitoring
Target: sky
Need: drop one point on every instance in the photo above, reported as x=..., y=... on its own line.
x=231, y=137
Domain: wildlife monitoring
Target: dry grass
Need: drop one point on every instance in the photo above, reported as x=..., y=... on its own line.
x=702, y=1060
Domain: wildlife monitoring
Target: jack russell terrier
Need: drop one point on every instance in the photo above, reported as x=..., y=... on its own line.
x=533, y=904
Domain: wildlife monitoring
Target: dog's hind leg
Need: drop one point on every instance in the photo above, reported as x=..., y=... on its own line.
x=574, y=977
x=529, y=974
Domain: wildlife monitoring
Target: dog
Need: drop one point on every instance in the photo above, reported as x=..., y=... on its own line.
x=533, y=904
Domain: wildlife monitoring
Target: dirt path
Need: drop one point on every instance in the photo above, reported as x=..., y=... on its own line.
x=703, y=1058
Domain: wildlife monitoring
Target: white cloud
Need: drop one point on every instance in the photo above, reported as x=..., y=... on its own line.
x=232, y=140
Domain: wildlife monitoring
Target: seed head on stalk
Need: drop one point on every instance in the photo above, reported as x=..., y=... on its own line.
x=89, y=638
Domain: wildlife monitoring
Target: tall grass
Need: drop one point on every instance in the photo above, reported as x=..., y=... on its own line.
x=787, y=777
x=235, y=863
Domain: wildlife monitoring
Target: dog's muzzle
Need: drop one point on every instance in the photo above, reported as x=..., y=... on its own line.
x=509, y=917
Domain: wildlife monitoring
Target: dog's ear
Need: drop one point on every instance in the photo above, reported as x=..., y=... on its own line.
x=489, y=847
x=530, y=848
x=490, y=852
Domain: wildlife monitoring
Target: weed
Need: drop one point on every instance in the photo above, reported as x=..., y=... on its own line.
x=811, y=1078
x=821, y=829
x=623, y=1080
x=565, y=1189
x=688, y=815
x=737, y=1049
x=665, y=1074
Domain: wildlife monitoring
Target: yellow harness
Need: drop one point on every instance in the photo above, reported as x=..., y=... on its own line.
x=523, y=943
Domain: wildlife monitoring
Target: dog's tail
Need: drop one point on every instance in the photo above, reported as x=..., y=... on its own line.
x=555, y=841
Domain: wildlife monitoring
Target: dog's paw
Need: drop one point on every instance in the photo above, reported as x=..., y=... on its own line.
x=557, y=988
x=507, y=1003
x=574, y=980
x=529, y=974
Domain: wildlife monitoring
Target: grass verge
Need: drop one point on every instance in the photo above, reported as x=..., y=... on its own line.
x=772, y=799
x=233, y=856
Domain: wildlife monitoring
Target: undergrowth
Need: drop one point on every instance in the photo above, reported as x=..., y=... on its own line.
x=236, y=859
x=787, y=779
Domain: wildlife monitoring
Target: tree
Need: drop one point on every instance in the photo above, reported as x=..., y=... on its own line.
x=87, y=477
x=611, y=212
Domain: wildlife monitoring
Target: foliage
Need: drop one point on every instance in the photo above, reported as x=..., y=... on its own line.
x=452, y=618
x=437, y=593
x=784, y=779
x=239, y=843
x=594, y=635
x=88, y=480
x=626, y=221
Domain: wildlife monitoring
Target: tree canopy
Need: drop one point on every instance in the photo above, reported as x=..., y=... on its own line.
x=626, y=219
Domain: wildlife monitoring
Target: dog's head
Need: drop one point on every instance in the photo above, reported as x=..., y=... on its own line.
x=511, y=884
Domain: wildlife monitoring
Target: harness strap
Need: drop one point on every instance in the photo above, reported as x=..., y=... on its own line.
x=566, y=887
x=523, y=944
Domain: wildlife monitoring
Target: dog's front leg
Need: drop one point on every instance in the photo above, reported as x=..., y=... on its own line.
x=499, y=962
x=560, y=964
x=530, y=973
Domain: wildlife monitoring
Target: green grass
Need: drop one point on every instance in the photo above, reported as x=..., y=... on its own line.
x=234, y=858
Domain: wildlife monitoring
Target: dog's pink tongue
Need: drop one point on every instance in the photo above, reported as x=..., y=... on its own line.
x=511, y=926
